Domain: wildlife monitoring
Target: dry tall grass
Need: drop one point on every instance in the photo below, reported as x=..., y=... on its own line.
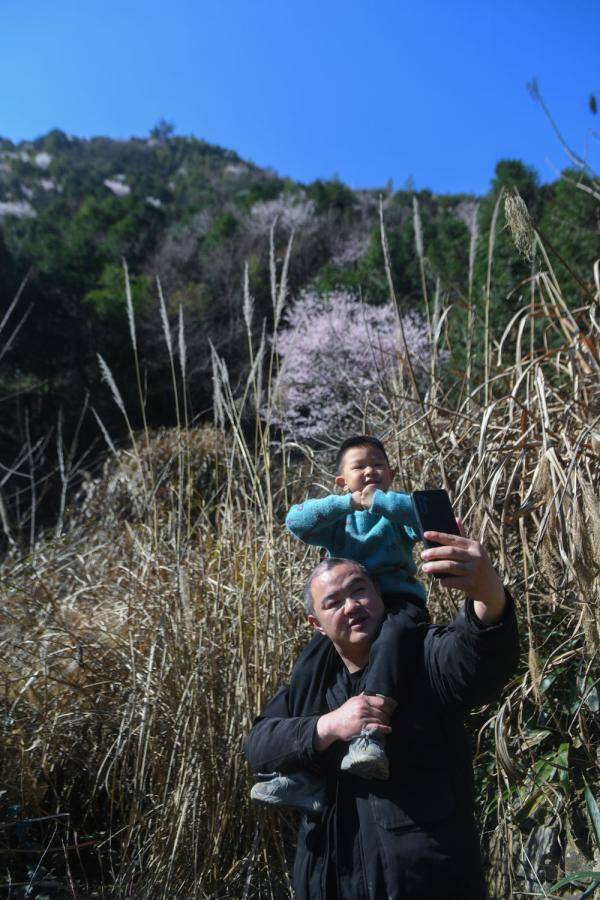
x=140, y=641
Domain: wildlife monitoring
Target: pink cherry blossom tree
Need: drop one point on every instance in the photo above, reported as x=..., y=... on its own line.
x=341, y=361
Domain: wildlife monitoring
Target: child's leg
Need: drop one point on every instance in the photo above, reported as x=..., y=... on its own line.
x=303, y=790
x=393, y=658
x=394, y=655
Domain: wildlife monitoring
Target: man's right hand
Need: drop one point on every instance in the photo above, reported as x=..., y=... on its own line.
x=355, y=715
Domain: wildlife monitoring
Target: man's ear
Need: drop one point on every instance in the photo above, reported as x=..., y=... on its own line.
x=341, y=482
x=393, y=473
x=314, y=623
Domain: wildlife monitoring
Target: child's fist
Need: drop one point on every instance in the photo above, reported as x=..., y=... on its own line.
x=367, y=495
x=356, y=499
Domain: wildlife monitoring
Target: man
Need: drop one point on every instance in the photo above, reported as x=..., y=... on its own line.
x=412, y=836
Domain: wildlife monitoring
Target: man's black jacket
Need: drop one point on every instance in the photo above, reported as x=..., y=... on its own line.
x=414, y=835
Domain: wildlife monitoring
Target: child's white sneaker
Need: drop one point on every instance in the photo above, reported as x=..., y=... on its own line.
x=300, y=790
x=366, y=757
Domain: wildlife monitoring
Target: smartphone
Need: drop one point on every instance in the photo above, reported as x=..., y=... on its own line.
x=434, y=512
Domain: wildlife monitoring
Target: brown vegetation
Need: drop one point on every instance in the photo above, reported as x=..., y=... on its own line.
x=139, y=642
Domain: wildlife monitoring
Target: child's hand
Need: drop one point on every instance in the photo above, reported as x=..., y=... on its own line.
x=367, y=495
x=363, y=499
x=356, y=498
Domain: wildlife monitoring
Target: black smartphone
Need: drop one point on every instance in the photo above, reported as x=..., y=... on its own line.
x=434, y=512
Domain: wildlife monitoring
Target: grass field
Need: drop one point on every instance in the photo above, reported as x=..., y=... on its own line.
x=140, y=638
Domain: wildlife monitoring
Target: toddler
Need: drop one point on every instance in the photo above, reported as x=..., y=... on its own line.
x=377, y=528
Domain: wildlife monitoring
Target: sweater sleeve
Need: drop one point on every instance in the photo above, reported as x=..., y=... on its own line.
x=397, y=508
x=279, y=742
x=316, y=521
x=468, y=663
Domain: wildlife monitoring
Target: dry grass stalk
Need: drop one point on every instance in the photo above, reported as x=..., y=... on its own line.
x=139, y=643
x=520, y=223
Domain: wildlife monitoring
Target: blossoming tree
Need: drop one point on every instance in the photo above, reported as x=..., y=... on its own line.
x=341, y=361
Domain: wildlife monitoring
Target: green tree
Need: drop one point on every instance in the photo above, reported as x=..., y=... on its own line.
x=571, y=223
x=108, y=297
x=331, y=196
x=163, y=130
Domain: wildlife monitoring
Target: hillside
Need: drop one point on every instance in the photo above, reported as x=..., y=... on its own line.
x=193, y=214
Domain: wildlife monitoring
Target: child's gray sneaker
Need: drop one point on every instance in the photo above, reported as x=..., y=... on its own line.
x=366, y=757
x=300, y=790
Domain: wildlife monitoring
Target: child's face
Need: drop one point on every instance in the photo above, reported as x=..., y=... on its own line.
x=362, y=466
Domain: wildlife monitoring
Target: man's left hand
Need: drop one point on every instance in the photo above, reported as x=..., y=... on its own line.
x=466, y=566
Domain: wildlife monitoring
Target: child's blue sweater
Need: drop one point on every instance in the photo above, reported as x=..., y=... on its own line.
x=381, y=539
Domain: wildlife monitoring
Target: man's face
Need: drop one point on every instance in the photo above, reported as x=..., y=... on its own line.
x=362, y=466
x=348, y=610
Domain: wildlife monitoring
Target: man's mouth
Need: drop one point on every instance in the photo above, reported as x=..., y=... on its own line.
x=357, y=622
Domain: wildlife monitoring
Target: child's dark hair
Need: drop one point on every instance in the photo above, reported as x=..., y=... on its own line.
x=359, y=440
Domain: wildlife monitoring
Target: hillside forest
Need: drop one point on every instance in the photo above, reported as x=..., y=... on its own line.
x=194, y=216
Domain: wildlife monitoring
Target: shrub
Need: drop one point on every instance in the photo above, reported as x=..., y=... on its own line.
x=341, y=362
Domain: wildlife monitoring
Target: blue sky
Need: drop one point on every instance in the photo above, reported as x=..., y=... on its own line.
x=431, y=91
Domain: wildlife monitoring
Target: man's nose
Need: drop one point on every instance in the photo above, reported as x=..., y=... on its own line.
x=350, y=603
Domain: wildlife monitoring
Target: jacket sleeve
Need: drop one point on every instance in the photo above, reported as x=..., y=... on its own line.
x=397, y=508
x=316, y=521
x=469, y=663
x=279, y=742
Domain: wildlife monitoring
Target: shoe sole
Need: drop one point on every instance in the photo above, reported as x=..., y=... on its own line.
x=272, y=800
x=263, y=798
x=369, y=770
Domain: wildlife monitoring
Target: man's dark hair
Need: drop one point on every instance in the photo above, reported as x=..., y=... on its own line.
x=359, y=440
